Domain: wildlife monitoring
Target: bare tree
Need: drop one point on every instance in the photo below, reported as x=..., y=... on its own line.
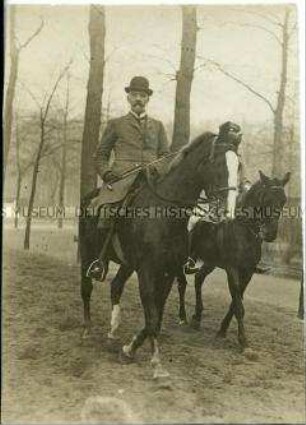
x=15, y=50
x=282, y=34
x=24, y=160
x=43, y=116
x=96, y=29
x=181, y=129
x=63, y=166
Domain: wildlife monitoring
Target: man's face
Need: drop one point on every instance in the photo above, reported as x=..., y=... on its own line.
x=232, y=133
x=138, y=101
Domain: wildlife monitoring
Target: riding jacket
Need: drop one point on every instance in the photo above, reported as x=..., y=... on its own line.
x=133, y=143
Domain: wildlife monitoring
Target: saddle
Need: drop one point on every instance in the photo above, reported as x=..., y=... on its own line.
x=108, y=215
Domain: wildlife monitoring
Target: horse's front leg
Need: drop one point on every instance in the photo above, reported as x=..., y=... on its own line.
x=244, y=279
x=199, y=279
x=148, y=288
x=182, y=284
x=117, y=286
x=237, y=304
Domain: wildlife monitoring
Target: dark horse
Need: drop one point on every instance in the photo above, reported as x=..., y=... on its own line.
x=155, y=246
x=236, y=247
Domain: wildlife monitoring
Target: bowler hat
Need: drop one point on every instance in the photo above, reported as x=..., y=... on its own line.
x=139, y=84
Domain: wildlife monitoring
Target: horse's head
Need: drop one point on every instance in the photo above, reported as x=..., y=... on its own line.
x=267, y=199
x=212, y=157
x=209, y=162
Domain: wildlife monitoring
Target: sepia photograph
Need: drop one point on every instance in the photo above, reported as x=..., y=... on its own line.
x=153, y=212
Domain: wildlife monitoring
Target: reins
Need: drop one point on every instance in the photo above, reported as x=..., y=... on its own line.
x=142, y=167
x=176, y=202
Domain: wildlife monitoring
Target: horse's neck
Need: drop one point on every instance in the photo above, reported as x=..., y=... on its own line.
x=181, y=183
x=249, y=205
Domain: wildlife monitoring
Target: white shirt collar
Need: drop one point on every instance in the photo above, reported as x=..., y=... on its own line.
x=141, y=116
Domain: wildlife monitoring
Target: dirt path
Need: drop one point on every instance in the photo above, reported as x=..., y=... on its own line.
x=50, y=372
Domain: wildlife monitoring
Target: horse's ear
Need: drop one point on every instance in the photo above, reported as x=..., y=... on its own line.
x=286, y=178
x=263, y=178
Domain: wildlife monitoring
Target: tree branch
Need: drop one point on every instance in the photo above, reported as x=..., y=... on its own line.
x=242, y=83
x=257, y=26
x=268, y=17
x=58, y=80
x=35, y=34
x=30, y=93
x=168, y=61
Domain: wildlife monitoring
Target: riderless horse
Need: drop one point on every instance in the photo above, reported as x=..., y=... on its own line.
x=235, y=246
x=156, y=248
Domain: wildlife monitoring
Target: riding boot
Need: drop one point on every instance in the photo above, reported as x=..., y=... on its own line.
x=98, y=268
x=191, y=266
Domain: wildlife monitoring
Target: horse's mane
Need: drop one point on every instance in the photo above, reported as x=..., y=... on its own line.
x=205, y=137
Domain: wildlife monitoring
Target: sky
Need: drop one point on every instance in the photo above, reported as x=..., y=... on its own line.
x=145, y=40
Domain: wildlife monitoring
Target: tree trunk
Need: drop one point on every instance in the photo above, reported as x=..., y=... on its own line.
x=26, y=244
x=181, y=129
x=279, y=110
x=93, y=108
x=54, y=188
x=10, y=91
x=19, y=175
x=17, y=200
x=63, y=166
x=61, y=200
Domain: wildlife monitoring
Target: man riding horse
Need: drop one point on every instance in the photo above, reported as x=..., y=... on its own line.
x=154, y=245
x=136, y=140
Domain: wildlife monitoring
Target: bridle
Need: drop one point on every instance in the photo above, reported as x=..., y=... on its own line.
x=256, y=225
x=189, y=203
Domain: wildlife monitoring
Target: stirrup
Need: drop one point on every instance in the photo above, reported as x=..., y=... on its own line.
x=96, y=270
x=190, y=266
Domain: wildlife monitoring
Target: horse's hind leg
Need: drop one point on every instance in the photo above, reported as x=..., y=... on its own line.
x=117, y=286
x=226, y=322
x=182, y=283
x=86, y=290
x=162, y=293
x=200, y=276
x=88, y=245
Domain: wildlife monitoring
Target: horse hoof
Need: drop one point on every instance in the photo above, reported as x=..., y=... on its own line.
x=112, y=336
x=243, y=346
x=220, y=335
x=250, y=354
x=195, y=324
x=160, y=374
x=86, y=334
x=125, y=355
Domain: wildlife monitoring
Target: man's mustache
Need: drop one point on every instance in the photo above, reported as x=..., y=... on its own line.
x=138, y=103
